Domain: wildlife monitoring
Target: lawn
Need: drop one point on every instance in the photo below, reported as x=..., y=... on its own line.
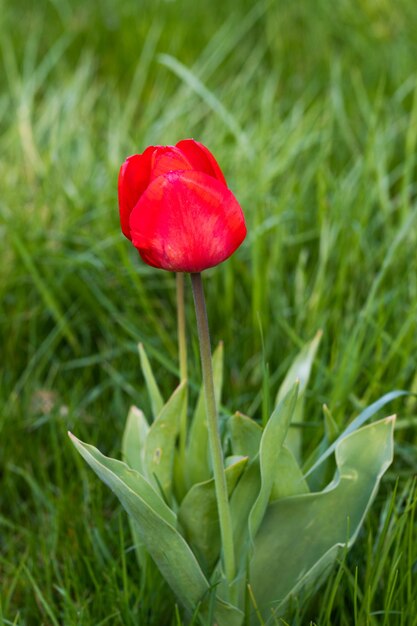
x=311, y=111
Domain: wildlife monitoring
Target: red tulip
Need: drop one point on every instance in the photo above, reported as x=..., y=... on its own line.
x=176, y=208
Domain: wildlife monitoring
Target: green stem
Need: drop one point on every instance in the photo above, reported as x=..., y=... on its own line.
x=213, y=429
x=182, y=350
x=182, y=341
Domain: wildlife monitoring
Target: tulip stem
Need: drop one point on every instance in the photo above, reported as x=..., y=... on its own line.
x=182, y=350
x=182, y=341
x=213, y=429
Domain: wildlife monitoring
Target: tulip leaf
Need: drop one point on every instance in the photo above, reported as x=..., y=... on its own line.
x=199, y=518
x=198, y=467
x=301, y=536
x=115, y=472
x=225, y=614
x=363, y=417
x=233, y=459
x=289, y=479
x=161, y=439
x=245, y=434
x=156, y=522
x=241, y=503
x=299, y=370
x=155, y=396
x=272, y=440
x=134, y=437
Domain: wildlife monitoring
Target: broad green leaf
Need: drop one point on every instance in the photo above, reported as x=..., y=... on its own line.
x=161, y=439
x=155, y=396
x=198, y=516
x=272, y=440
x=289, y=479
x=155, y=521
x=115, y=472
x=198, y=467
x=226, y=614
x=245, y=434
x=133, y=450
x=134, y=437
x=233, y=459
x=156, y=524
x=241, y=503
x=299, y=370
x=300, y=537
x=363, y=417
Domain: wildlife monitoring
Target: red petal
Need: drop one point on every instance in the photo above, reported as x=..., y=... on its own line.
x=133, y=179
x=168, y=159
x=186, y=222
x=201, y=158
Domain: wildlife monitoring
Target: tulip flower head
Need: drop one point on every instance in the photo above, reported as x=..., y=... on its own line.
x=176, y=208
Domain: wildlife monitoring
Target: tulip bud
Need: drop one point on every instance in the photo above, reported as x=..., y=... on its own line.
x=176, y=208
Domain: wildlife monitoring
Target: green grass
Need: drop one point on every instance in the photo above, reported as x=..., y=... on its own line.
x=311, y=110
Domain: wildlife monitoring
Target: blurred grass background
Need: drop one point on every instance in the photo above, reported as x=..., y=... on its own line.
x=311, y=111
